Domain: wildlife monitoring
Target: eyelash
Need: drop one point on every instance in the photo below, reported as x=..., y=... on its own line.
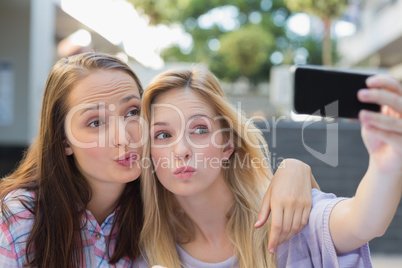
x=92, y=124
x=160, y=133
x=204, y=128
x=99, y=122
x=136, y=111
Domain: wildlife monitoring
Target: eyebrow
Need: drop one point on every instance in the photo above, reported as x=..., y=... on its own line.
x=193, y=116
x=97, y=107
x=128, y=98
x=92, y=108
x=201, y=115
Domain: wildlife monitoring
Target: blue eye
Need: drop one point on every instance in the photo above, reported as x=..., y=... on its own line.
x=163, y=136
x=96, y=123
x=133, y=112
x=201, y=130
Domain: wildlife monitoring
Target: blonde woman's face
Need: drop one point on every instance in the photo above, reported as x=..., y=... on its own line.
x=102, y=128
x=187, y=145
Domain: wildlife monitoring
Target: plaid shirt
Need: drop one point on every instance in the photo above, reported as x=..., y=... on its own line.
x=13, y=237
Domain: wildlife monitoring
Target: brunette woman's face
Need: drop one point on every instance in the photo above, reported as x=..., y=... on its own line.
x=187, y=143
x=102, y=128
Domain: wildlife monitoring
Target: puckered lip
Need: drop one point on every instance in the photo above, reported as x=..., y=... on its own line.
x=184, y=169
x=129, y=155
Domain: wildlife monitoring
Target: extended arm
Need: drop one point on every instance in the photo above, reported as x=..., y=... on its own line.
x=367, y=215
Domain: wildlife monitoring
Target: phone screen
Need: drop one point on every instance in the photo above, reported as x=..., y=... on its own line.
x=317, y=88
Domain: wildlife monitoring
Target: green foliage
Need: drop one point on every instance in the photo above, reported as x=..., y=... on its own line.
x=244, y=51
x=161, y=11
x=321, y=8
x=327, y=10
x=249, y=46
x=315, y=50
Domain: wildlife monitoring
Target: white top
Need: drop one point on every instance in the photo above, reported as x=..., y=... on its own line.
x=311, y=248
x=190, y=261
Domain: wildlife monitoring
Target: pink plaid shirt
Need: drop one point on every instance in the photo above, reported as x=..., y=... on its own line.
x=13, y=237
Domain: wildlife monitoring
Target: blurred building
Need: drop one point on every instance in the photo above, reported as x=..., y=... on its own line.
x=33, y=35
x=378, y=39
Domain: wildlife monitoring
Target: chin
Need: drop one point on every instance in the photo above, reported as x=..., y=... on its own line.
x=185, y=192
x=130, y=176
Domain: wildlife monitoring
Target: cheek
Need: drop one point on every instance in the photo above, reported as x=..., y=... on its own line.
x=83, y=137
x=88, y=140
x=89, y=156
x=159, y=158
x=137, y=138
x=156, y=154
x=163, y=164
x=217, y=140
x=213, y=150
x=199, y=140
x=212, y=158
x=134, y=130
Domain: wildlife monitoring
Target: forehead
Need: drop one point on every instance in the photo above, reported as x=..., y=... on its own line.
x=181, y=101
x=103, y=85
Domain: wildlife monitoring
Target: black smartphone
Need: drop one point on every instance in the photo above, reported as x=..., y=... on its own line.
x=316, y=88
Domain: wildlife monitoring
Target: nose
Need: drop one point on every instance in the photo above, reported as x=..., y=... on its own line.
x=119, y=136
x=182, y=150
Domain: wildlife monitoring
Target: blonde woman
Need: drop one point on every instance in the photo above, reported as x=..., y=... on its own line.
x=209, y=173
x=74, y=200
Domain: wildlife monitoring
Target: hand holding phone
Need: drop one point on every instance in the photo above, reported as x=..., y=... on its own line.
x=315, y=88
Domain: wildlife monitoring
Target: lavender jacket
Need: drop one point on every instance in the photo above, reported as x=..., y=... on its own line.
x=312, y=247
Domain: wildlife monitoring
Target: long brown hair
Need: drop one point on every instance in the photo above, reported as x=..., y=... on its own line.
x=61, y=192
x=164, y=224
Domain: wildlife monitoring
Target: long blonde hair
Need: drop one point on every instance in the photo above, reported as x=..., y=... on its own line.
x=164, y=225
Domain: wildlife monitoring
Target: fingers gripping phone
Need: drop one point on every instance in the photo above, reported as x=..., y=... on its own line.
x=317, y=88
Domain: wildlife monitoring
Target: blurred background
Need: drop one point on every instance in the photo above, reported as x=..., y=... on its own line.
x=248, y=44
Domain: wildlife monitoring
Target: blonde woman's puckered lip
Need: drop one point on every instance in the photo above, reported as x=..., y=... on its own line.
x=184, y=169
x=130, y=155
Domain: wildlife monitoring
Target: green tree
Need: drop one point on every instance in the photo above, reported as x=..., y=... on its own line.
x=160, y=11
x=327, y=11
x=244, y=50
x=249, y=46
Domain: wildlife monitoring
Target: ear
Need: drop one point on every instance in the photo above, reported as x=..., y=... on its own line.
x=67, y=147
x=228, y=150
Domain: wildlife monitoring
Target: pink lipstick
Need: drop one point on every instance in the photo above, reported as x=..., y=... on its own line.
x=127, y=159
x=184, y=172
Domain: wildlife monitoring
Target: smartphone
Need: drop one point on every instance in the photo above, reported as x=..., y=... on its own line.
x=316, y=88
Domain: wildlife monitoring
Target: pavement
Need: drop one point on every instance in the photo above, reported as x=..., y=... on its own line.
x=386, y=261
